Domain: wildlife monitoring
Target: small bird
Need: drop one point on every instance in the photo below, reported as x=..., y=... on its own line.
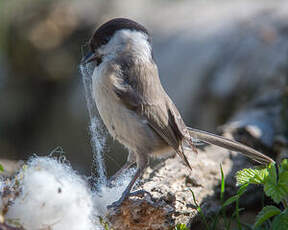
x=133, y=105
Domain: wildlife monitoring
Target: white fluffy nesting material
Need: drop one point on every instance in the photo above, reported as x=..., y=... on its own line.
x=52, y=197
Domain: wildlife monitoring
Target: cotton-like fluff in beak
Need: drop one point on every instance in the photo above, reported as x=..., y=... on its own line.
x=91, y=56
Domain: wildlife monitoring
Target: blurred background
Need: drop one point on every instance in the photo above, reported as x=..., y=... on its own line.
x=214, y=58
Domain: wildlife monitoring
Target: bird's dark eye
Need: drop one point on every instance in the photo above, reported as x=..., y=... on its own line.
x=98, y=60
x=105, y=40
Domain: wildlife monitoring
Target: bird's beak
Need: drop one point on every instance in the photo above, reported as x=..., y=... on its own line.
x=91, y=56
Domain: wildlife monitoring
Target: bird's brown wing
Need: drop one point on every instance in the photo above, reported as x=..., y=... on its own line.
x=164, y=123
x=142, y=93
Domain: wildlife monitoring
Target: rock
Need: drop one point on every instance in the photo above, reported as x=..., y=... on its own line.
x=7, y=227
x=261, y=123
x=10, y=167
x=142, y=213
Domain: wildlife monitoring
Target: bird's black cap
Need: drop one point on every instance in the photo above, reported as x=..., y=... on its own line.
x=107, y=30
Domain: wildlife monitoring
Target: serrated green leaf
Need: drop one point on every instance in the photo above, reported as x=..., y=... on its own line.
x=266, y=213
x=251, y=176
x=280, y=222
x=284, y=164
x=283, y=180
x=1, y=168
x=272, y=173
x=277, y=190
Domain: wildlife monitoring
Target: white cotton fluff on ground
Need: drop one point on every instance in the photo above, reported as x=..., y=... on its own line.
x=52, y=197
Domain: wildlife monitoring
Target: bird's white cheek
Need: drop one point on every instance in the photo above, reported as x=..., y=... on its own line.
x=96, y=72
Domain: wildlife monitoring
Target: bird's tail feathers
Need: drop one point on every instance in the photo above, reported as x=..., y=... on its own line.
x=229, y=144
x=181, y=153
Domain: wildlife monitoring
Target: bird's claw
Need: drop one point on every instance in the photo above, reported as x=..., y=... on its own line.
x=139, y=193
x=115, y=204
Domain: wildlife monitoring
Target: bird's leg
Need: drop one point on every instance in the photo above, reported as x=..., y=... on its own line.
x=142, y=162
x=130, y=161
x=126, y=192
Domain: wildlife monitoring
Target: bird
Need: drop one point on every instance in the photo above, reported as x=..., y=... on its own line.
x=133, y=104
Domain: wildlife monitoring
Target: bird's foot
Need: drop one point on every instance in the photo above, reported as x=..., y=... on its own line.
x=139, y=193
x=115, y=204
x=110, y=183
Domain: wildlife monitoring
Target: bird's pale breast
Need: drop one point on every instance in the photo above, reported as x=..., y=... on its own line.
x=124, y=124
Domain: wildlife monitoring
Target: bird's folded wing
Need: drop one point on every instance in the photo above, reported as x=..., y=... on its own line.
x=163, y=123
x=156, y=111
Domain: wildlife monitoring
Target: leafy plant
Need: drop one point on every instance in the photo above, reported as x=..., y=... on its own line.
x=212, y=223
x=266, y=213
x=274, y=179
x=275, y=182
x=1, y=168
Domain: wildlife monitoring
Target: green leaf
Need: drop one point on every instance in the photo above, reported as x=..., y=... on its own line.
x=284, y=165
x=234, y=198
x=251, y=176
x=242, y=189
x=181, y=227
x=277, y=190
x=266, y=213
x=235, y=212
x=1, y=168
x=199, y=210
x=283, y=175
x=283, y=180
x=222, y=184
x=231, y=200
x=280, y=222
